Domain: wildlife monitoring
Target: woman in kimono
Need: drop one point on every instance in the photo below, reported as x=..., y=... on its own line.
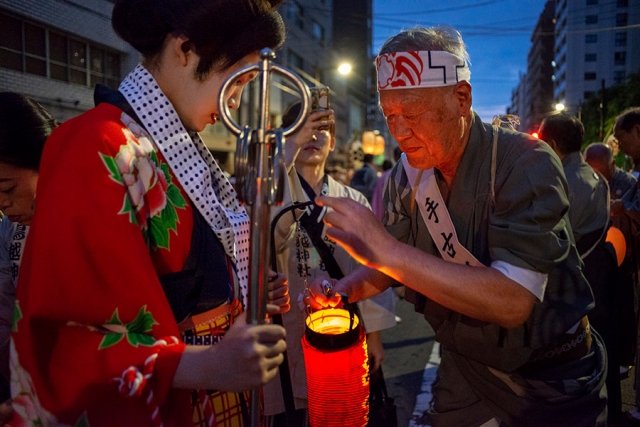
x=24, y=127
x=138, y=250
x=306, y=155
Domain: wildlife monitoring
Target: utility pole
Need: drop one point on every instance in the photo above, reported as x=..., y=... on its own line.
x=602, y=108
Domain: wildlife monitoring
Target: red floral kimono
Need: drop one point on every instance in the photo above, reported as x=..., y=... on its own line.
x=95, y=341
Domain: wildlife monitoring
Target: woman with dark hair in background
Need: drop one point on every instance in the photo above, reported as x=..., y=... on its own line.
x=138, y=252
x=24, y=127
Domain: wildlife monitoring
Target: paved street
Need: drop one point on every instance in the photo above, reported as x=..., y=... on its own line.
x=408, y=347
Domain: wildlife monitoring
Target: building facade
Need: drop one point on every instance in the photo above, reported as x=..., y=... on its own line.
x=538, y=98
x=596, y=45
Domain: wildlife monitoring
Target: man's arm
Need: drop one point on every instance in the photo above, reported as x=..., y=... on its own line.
x=482, y=293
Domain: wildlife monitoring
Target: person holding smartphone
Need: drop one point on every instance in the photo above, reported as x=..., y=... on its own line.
x=298, y=257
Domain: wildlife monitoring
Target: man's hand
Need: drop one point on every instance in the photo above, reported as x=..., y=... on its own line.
x=318, y=120
x=357, y=230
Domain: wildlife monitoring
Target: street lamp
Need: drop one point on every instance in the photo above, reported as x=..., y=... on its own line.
x=559, y=107
x=344, y=68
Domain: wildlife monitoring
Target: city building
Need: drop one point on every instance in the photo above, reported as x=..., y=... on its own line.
x=538, y=99
x=596, y=46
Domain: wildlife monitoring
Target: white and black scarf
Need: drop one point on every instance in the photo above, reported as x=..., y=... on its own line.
x=194, y=167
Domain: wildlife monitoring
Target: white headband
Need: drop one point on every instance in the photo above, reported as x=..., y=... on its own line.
x=424, y=68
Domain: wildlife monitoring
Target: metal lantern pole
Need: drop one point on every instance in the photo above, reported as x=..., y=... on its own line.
x=260, y=175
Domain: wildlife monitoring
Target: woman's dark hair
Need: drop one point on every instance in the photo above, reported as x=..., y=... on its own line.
x=24, y=127
x=221, y=32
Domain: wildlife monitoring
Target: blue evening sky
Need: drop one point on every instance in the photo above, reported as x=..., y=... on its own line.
x=497, y=34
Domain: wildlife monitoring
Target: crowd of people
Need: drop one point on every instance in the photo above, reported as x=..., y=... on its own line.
x=124, y=256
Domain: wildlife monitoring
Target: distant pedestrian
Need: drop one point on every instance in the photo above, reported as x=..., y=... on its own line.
x=377, y=205
x=364, y=179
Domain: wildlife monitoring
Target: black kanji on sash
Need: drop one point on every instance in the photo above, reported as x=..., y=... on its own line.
x=448, y=247
x=20, y=233
x=303, y=270
x=15, y=250
x=431, y=207
x=302, y=255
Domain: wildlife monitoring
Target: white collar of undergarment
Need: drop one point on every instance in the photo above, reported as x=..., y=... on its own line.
x=194, y=167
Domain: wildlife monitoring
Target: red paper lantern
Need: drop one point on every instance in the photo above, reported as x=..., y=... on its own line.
x=337, y=364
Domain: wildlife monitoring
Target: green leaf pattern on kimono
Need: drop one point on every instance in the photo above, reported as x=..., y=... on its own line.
x=17, y=315
x=152, y=198
x=83, y=421
x=136, y=331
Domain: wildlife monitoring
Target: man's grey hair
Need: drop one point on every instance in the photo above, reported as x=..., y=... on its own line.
x=441, y=37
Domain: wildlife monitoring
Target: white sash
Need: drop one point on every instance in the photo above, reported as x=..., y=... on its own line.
x=436, y=216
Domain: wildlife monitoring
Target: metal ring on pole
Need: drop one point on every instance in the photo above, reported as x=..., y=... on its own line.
x=223, y=107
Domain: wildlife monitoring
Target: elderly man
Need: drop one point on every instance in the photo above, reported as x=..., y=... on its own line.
x=476, y=227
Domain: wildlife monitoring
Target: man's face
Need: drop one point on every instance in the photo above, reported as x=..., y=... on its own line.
x=629, y=141
x=316, y=151
x=427, y=123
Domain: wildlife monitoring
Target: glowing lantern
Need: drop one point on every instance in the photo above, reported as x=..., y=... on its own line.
x=372, y=143
x=337, y=364
x=616, y=238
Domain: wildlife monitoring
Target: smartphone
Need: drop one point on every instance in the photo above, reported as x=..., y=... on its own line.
x=319, y=98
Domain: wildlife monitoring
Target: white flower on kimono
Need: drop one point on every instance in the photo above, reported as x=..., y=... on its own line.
x=146, y=182
x=151, y=198
x=25, y=403
x=137, y=130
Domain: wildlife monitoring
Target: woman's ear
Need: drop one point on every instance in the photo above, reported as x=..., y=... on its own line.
x=181, y=48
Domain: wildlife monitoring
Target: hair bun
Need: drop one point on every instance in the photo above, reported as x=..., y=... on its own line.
x=139, y=23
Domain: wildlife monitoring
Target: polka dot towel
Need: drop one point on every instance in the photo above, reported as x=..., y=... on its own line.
x=194, y=167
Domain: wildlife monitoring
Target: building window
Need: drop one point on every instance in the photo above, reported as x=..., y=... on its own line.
x=621, y=20
x=622, y=3
x=295, y=14
x=587, y=95
x=591, y=2
x=591, y=19
x=589, y=76
x=590, y=57
x=620, y=58
x=318, y=31
x=590, y=38
x=618, y=77
x=48, y=53
x=294, y=60
x=621, y=39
